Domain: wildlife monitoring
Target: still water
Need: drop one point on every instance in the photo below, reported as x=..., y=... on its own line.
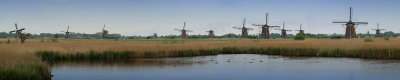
x=229, y=67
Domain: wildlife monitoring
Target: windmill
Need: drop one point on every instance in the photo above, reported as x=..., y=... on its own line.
x=67, y=33
x=350, y=29
x=104, y=31
x=155, y=36
x=265, y=28
x=210, y=33
x=244, y=30
x=300, y=30
x=283, y=31
x=378, y=31
x=17, y=31
x=183, y=31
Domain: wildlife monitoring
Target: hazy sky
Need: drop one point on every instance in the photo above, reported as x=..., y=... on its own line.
x=144, y=17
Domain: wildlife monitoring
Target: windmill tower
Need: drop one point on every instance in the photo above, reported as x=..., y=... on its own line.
x=265, y=28
x=183, y=31
x=155, y=36
x=67, y=33
x=350, y=26
x=378, y=31
x=300, y=30
x=283, y=31
x=104, y=31
x=17, y=31
x=210, y=33
x=244, y=30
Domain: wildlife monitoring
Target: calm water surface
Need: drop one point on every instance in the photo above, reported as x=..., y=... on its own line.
x=229, y=67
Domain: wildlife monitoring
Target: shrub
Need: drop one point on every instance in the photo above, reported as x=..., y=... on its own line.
x=8, y=41
x=368, y=40
x=386, y=38
x=41, y=40
x=299, y=36
x=54, y=40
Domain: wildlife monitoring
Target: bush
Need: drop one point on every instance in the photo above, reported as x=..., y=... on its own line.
x=54, y=40
x=41, y=40
x=386, y=38
x=368, y=40
x=299, y=36
x=8, y=41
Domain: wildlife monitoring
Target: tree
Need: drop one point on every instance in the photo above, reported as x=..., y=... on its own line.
x=24, y=36
x=299, y=36
x=56, y=35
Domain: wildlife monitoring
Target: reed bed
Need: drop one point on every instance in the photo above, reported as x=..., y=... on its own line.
x=311, y=52
x=15, y=54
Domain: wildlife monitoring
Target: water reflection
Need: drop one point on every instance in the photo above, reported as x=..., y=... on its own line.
x=228, y=66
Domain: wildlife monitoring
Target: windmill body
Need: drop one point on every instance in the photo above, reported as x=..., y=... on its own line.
x=155, y=36
x=245, y=33
x=265, y=33
x=183, y=33
x=378, y=30
x=350, y=26
x=211, y=33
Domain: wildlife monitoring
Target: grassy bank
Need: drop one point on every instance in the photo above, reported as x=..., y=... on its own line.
x=312, y=52
x=13, y=55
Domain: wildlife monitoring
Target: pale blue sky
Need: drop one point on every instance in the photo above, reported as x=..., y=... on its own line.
x=144, y=17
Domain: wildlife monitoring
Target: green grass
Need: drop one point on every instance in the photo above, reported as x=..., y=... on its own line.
x=25, y=72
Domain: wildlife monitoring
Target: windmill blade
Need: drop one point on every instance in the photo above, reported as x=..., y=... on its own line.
x=68, y=28
x=258, y=24
x=288, y=30
x=360, y=22
x=273, y=26
x=177, y=29
x=16, y=26
x=382, y=29
x=339, y=22
x=237, y=27
x=22, y=29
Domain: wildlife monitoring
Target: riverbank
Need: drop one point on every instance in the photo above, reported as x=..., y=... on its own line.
x=15, y=54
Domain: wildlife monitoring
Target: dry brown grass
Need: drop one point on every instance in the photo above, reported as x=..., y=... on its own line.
x=17, y=53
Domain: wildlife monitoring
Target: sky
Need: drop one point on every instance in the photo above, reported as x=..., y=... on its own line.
x=145, y=17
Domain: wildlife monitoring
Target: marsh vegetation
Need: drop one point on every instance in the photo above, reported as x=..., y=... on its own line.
x=18, y=58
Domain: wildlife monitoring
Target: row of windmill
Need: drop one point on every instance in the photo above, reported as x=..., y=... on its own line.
x=265, y=29
x=67, y=32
